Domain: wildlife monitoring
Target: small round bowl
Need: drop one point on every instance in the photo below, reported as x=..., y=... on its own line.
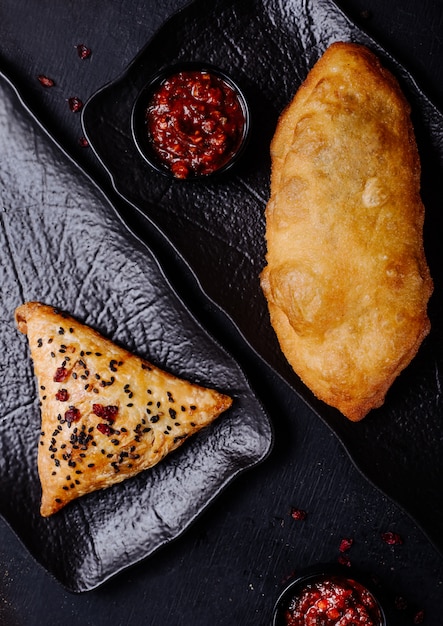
x=307, y=582
x=144, y=141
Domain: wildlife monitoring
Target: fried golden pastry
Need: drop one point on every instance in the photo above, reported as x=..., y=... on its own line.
x=106, y=413
x=346, y=280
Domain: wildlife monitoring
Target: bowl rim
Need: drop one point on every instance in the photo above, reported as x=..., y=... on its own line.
x=143, y=96
x=322, y=572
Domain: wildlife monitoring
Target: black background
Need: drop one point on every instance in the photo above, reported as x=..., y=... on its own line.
x=230, y=566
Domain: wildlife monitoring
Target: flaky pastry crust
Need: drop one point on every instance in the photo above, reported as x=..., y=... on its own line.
x=346, y=279
x=106, y=413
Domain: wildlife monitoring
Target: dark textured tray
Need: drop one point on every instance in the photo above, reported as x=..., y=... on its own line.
x=218, y=227
x=63, y=244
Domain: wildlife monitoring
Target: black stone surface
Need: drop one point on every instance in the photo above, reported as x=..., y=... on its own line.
x=230, y=565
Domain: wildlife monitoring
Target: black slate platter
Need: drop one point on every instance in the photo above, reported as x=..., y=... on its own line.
x=63, y=244
x=218, y=227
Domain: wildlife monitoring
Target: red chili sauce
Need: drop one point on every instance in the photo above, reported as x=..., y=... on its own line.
x=333, y=602
x=195, y=122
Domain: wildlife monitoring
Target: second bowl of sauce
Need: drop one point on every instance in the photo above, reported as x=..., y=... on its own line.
x=329, y=600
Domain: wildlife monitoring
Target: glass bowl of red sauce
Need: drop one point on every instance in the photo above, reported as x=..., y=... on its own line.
x=328, y=598
x=191, y=122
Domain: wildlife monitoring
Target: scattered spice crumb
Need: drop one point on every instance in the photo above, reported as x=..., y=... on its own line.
x=83, y=51
x=45, y=80
x=75, y=104
x=298, y=514
x=419, y=617
x=392, y=539
x=83, y=142
x=346, y=545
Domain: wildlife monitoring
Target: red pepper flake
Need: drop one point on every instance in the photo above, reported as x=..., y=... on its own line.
x=72, y=415
x=108, y=413
x=392, y=539
x=45, y=80
x=61, y=374
x=62, y=395
x=346, y=545
x=105, y=429
x=419, y=617
x=343, y=559
x=298, y=514
x=83, y=51
x=75, y=104
x=84, y=143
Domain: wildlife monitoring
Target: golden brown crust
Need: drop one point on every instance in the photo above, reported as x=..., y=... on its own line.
x=346, y=280
x=106, y=413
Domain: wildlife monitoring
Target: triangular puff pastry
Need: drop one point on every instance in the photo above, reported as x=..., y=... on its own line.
x=106, y=413
x=346, y=280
